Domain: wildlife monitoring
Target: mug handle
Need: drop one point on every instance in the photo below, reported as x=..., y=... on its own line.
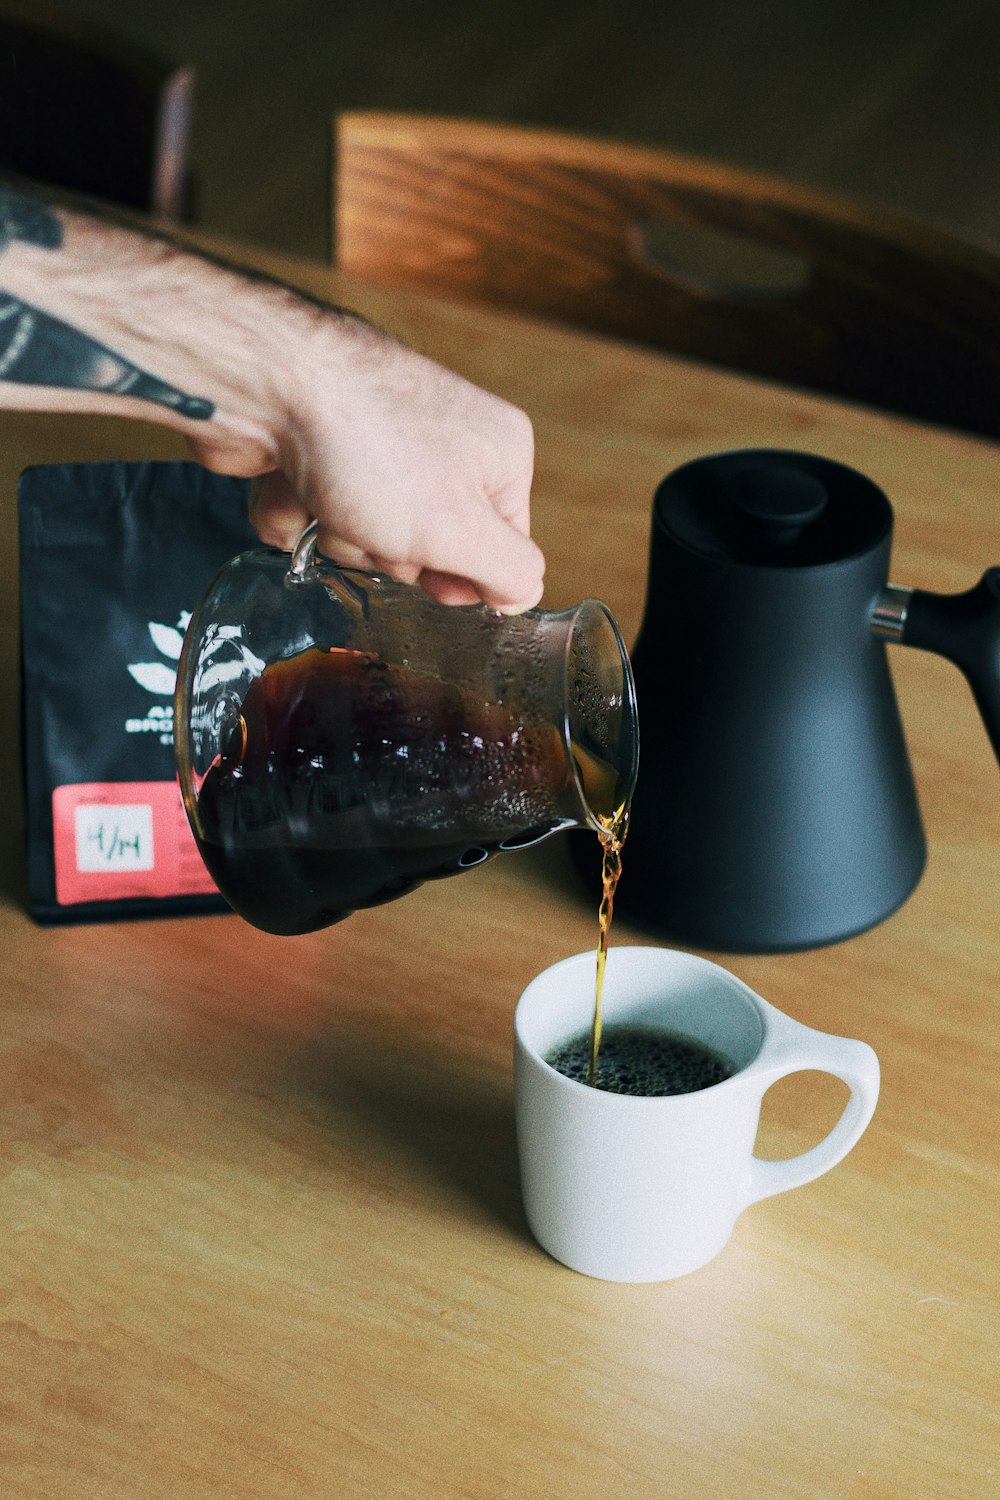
x=794, y=1048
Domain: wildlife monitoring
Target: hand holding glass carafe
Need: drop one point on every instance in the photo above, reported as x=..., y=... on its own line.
x=343, y=737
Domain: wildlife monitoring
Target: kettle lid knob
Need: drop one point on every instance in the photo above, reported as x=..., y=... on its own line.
x=772, y=508
x=784, y=497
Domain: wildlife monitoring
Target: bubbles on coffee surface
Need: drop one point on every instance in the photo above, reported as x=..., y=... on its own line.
x=646, y=1061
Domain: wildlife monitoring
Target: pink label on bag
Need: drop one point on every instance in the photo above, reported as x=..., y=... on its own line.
x=124, y=839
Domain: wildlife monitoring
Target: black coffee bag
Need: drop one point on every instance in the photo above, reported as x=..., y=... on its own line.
x=114, y=558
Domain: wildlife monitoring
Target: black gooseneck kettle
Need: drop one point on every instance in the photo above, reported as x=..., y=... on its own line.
x=776, y=807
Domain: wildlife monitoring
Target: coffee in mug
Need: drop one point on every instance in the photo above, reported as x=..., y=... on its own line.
x=649, y=1187
x=647, y=1061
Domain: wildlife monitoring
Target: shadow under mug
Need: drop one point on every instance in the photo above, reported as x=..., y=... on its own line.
x=636, y=1189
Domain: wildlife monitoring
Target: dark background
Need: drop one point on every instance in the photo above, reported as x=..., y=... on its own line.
x=896, y=101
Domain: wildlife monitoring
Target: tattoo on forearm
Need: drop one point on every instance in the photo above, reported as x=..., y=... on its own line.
x=38, y=349
x=24, y=218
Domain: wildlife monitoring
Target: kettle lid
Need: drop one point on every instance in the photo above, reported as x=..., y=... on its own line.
x=772, y=508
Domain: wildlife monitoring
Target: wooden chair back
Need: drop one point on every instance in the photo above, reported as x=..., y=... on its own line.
x=689, y=256
x=84, y=111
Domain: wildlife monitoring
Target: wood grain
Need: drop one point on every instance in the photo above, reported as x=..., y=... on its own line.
x=679, y=253
x=258, y=1196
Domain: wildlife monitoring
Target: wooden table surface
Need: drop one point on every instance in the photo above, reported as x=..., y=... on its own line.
x=259, y=1208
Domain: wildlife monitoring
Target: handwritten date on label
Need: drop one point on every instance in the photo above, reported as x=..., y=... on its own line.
x=113, y=837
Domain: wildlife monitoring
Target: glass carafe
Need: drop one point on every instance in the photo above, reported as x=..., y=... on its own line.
x=342, y=737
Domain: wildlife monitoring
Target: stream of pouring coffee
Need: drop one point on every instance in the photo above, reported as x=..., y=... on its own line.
x=612, y=836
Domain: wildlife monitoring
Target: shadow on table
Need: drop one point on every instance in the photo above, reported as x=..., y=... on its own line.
x=422, y=1109
x=420, y=1117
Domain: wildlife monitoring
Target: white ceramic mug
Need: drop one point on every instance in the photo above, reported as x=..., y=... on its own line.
x=645, y=1189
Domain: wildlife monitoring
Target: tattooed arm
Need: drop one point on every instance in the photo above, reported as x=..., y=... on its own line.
x=408, y=468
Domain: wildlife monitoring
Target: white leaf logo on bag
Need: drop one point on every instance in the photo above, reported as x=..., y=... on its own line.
x=155, y=676
x=167, y=640
x=160, y=679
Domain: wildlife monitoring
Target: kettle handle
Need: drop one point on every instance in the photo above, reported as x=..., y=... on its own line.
x=966, y=629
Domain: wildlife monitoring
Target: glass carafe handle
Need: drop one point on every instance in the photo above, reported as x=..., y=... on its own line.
x=303, y=555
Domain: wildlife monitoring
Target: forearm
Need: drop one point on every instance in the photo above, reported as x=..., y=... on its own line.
x=96, y=316
x=407, y=467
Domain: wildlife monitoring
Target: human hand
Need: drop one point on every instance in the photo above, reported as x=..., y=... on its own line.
x=408, y=468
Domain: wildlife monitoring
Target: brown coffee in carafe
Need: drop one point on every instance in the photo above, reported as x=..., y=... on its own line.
x=343, y=781
x=343, y=737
